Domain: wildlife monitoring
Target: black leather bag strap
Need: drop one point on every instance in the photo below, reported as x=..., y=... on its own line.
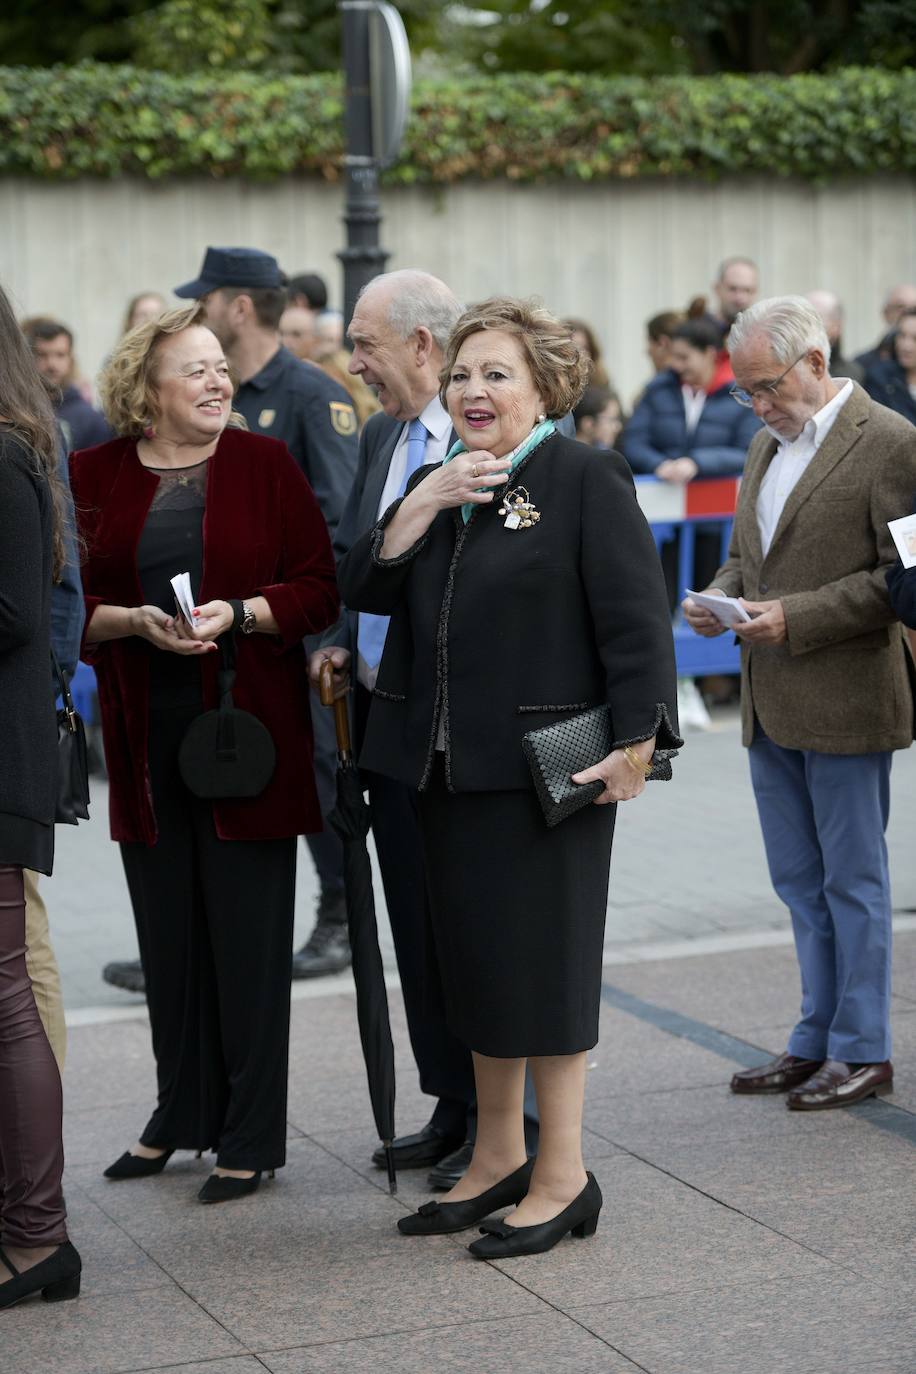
x=64, y=685
x=226, y=746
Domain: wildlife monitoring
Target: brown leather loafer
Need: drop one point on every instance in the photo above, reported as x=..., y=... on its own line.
x=778, y=1076
x=839, y=1085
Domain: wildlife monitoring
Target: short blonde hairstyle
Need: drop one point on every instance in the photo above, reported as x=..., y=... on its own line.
x=559, y=371
x=127, y=383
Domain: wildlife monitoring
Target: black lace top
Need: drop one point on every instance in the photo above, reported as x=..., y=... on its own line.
x=172, y=542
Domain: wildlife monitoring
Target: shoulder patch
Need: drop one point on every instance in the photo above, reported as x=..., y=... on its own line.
x=266, y=418
x=343, y=418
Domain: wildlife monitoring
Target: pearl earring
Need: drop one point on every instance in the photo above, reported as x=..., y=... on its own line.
x=541, y=418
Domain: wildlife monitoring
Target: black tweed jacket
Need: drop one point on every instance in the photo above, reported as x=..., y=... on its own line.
x=28, y=729
x=496, y=631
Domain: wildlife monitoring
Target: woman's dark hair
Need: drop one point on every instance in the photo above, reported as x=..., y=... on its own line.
x=594, y=400
x=311, y=286
x=699, y=333
x=25, y=411
x=661, y=326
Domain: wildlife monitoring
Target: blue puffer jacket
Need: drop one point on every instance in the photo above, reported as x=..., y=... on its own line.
x=658, y=429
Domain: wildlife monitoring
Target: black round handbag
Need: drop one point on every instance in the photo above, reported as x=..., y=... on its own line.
x=227, y=752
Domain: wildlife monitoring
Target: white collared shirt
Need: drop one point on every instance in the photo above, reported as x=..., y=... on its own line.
x=437, y=420
x=694, y=401
x=790, y=460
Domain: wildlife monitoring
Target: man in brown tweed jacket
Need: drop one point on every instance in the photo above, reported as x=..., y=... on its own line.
x=825, y=685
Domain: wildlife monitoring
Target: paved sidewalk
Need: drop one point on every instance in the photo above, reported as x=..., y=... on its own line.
x=736, y=1237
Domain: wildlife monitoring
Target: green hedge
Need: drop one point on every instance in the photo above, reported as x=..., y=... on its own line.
x=98, y=120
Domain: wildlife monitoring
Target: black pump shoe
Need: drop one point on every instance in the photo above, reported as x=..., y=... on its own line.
x=502, y=1241
x=135, y=1166
x=219, y=1188
x=442, y=1218
x=57, y=1278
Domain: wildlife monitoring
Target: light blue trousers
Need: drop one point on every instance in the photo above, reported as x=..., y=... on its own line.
x=823, y=818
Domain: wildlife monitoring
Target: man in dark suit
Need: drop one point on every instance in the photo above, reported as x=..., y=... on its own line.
x=825, y=686
x=399, y=330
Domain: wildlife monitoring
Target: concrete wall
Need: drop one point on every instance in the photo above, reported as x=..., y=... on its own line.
x=614, y=253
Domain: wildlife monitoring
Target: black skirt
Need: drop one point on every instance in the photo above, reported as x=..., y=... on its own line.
x=518, y=913
x=26, y=843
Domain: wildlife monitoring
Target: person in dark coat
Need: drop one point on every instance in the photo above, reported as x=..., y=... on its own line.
x=501, y=623
x=686, y=424
x=52, y=345
x=211, y=882
x=36, y=1254
x=892, y=381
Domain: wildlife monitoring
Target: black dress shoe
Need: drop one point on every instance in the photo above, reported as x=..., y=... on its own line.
x=418, y=1151
x=135, y=1166
x=127, y=974
x=778, y=1076
x=57, y=1278
x=443, y=1218
x=219, y=1188
x=499, y=1240
x=452, y=1168
x=327, y=950
x=840, y=1085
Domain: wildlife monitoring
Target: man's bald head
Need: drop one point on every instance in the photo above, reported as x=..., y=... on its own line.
x=898, y=299
x=399, y=330
x=830, y=308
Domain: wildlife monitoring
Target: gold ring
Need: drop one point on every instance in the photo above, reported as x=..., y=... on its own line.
x=474, y=471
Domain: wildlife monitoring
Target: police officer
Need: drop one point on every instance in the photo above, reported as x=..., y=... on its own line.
x=245, y=294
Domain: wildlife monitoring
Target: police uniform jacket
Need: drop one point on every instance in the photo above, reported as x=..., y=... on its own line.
x=495, y=631
x=313, y=416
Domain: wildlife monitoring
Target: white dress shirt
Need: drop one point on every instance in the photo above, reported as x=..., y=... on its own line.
x=789, y=462
x=438, y=422
x=694, y=401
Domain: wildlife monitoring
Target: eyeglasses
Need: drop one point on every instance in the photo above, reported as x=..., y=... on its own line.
x=765, y=389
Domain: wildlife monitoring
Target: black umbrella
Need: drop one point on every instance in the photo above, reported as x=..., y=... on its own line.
x=350, y=818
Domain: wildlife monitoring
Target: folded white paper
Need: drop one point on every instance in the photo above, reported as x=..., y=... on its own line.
x=725, y=608
x=904, y=532
x=184, y=597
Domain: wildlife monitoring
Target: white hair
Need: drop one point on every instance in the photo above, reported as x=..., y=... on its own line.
x=790, y=323
x=418, y=298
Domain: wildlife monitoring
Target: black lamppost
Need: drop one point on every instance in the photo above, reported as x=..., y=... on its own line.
x=376, y=61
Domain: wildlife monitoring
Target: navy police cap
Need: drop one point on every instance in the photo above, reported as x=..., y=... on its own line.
x=239, y=267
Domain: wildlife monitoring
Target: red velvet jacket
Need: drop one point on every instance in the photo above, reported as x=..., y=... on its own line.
x=263, y=534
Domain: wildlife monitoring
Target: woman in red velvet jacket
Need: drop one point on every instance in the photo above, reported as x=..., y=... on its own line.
x=211, y=882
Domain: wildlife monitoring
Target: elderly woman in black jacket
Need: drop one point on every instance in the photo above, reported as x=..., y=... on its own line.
x=35, y=1253
x=524, y=587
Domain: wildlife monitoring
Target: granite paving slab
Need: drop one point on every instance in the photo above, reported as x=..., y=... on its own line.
x=111, y=1333
x=534, y=1344
x=786, y=1326
x=657, y=1236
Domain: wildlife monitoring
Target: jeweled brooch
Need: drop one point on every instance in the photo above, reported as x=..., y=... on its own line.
x=518, y=509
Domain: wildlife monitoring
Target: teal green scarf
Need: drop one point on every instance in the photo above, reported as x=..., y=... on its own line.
x=539, y=432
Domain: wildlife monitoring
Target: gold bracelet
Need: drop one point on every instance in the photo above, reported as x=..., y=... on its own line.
x=636, y=762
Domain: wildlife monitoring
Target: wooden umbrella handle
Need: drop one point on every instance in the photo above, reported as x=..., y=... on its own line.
x=327, y=698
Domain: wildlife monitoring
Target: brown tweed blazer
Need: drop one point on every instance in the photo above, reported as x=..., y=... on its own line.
x=842, y=683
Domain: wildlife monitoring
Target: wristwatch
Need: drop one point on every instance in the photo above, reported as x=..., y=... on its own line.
x=249, y=622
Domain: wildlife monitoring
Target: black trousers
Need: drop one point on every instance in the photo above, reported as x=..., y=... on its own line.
x=444, y=1063
x=215, y=926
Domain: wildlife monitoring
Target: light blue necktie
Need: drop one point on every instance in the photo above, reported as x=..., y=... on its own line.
x=370, y=635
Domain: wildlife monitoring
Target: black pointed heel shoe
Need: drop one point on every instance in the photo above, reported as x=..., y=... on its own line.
x=443, y=1218
x=219, y=1188
x=502, y=1241
x=135, y=1166
x=57, y=1278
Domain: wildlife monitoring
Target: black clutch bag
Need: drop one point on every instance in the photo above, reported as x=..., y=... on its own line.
x=227, y=752
x=72, y=804
x=569, y=746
